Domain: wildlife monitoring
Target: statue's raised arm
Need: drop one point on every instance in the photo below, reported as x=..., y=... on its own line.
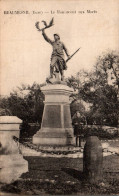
x=46, y=37
x=43, y=29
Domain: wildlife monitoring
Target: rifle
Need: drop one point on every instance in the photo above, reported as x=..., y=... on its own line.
x=72, y=55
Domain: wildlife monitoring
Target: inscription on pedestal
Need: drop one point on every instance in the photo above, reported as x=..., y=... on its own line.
x=52, y=117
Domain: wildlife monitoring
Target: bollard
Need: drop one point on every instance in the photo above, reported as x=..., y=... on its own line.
x=93, y=160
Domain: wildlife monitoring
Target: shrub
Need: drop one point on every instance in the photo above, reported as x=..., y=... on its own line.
x=100, y=131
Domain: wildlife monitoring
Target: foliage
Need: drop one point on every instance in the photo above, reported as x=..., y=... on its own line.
x=110, y=60
x=26, y=103
x=77, y=106
x=93, y=88
x=103, y=132
x=5, y=112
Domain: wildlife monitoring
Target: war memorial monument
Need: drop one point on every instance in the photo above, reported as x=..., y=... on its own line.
x=56, y=128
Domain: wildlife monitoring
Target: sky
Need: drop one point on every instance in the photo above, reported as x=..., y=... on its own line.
x=25, y=55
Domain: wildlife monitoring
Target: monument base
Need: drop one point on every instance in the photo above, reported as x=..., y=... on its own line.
x=56, y=128
x=54, y=137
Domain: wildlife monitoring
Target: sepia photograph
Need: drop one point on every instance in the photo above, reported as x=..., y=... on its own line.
x=59, y=97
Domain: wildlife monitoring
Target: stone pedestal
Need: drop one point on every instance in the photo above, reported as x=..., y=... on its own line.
x=12, y=164
x=56, y=128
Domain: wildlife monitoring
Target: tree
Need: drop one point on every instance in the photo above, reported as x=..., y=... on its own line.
x=26, y=103
x=93, y=88
x=110, y=61
x=77, y=101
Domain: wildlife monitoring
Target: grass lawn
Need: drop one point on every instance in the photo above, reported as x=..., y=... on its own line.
x=63, y=176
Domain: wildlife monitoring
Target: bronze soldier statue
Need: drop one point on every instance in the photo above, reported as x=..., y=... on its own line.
x=57, y=58
x=58, y=63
